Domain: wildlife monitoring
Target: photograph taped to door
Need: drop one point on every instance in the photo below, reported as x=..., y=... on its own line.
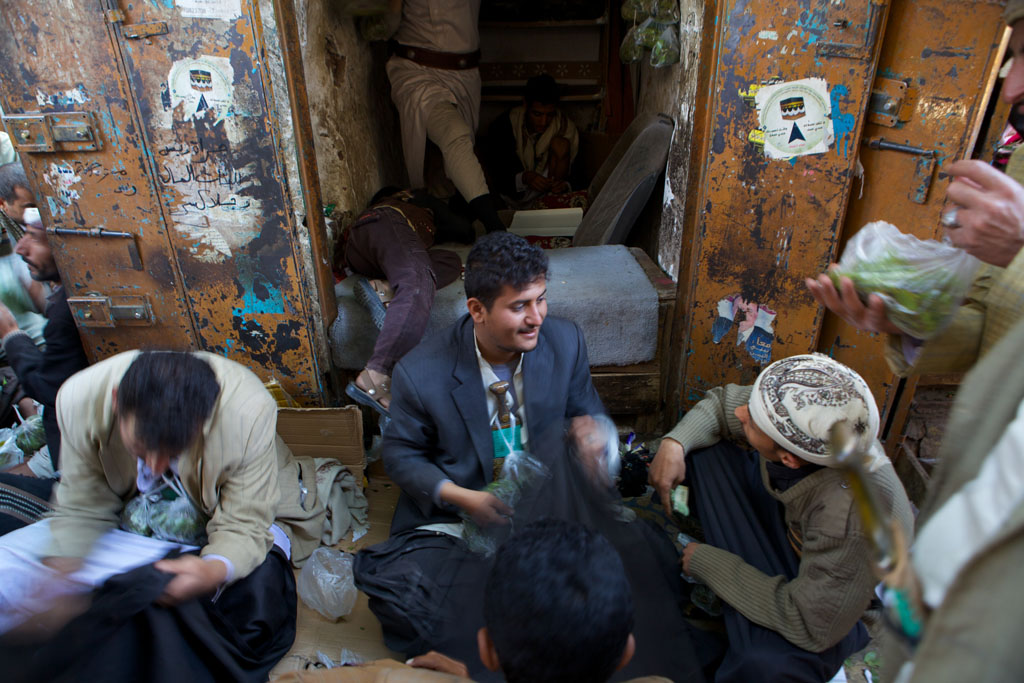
x=210, y=9
x=795, y=117
x=200, y=86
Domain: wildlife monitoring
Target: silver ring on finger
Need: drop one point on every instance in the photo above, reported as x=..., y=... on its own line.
x=949, y=218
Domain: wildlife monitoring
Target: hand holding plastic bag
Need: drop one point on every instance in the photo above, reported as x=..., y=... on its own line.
x=326, y=583
x=167, y=513
x=520, y=471
x=921, y=282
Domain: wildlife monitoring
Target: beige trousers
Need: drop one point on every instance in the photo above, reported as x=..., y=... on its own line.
x=449, y=131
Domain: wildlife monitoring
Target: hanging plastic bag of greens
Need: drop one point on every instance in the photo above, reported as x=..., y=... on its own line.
x=647, y=33
x=631, y=49
x=30, y=435
x=635, y=11
x=666, y=11
x=665, y=51
x=520, y=471
x=10, y=454
x=166, y=512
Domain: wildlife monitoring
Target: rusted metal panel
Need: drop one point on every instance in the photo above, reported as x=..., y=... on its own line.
x=67, y=71
x=185, y=202
x=766, y=223
x=945, y=50
x=212, y=147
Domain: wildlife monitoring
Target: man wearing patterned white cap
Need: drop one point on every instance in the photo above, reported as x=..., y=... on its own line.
x=785, y=548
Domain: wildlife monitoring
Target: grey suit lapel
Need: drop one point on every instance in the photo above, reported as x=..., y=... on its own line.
x=471, y=401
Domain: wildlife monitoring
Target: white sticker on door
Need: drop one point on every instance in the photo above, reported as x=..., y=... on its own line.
x=211, y=9
x=795, y=117
x=200, y=86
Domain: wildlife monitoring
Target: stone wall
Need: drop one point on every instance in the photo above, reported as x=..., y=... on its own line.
x=355, y=126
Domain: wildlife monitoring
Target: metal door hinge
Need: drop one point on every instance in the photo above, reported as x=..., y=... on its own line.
x=72, y=131
x=148, y=30
x=892, y=102
x=97, y=310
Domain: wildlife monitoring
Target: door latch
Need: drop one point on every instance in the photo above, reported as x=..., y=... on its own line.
x=97, y=310
x=892, y=102
x=72, y=131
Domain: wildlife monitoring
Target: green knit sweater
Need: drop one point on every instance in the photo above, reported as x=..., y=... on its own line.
x=835, y=581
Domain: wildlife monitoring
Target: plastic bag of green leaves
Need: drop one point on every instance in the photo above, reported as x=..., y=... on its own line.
x=520, y=471
x=167, y=513
x=666, y=11
x=665, y=50
x=635, y=11
x=922, y=282
x=30, y=435
x=631, y=49
x=647, y=33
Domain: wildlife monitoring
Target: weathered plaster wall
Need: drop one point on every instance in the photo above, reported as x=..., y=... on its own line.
x=354, y=123
x=673, y=91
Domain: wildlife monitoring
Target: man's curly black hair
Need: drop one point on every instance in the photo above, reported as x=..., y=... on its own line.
x=499, y=259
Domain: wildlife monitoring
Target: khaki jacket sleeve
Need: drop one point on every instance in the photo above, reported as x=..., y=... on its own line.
x=86, y=505
x=712, y=419
x=249, y=491
x=957, y=347
x=816, y=609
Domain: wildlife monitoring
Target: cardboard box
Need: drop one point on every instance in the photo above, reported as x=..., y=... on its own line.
x=325, y=433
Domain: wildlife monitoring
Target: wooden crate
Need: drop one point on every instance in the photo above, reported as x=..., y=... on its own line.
x=325, y=433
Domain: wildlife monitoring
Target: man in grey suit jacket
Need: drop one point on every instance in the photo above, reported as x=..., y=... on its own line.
x=501, y=379
x=440, y=446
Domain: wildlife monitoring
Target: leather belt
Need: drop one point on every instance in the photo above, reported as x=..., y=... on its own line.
x=451, y=61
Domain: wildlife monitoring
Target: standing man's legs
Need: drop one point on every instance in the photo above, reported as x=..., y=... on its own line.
x=449, y=131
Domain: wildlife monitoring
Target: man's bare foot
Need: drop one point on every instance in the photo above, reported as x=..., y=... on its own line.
x=377, y=385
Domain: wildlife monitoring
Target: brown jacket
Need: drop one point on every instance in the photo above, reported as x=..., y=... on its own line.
x=238, y=471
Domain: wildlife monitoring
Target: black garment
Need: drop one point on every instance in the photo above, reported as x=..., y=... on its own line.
x=124, y=636
x=450, y=226
x=42, y=372
x=502, y=160
x=739, y=515
x=427, y=588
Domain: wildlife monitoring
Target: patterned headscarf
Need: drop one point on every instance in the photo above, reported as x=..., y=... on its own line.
x=797, y=400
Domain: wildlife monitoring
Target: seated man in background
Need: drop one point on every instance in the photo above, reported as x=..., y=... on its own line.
x=42, y=372
x=530, y=148
x=182, y=447
x=391, y=241
x=23, y=296
x=786, y=549
x=557, y=606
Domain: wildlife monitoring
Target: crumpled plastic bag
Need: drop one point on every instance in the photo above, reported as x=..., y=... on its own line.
x=167, y=513
x=631, y=50
x=922, y=282
x=326, y=582
x=519, y=472
x=10, y=454
x=665, y=51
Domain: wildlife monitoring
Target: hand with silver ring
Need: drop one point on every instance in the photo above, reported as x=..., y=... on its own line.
x=988, y=217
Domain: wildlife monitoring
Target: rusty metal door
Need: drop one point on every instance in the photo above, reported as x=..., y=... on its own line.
x=788, y=83
x=69, y=114
x=184, y=161
x=934, y=77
